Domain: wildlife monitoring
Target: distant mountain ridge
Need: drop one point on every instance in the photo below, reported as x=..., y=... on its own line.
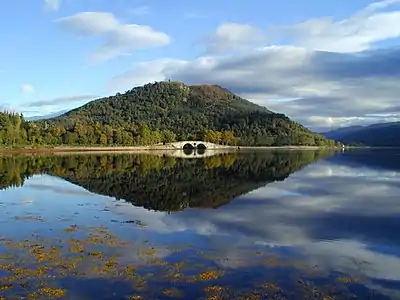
x=48, y=116
x=340, y=132
x=378, y=135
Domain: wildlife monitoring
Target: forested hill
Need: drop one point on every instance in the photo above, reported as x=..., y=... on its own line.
x=164, y=112
x=166, y=105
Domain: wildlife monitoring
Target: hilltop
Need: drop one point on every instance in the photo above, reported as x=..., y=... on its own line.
x=165, y=112
x=378, y=135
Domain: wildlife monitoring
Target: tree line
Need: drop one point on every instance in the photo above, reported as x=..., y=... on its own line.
x=15, y=131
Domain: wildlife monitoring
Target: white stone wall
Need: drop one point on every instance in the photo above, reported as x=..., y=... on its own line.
x=179, y=145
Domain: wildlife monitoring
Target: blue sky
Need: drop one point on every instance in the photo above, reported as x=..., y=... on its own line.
x=57, y=55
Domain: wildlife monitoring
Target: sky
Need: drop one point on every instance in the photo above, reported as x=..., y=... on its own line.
x=325, y=64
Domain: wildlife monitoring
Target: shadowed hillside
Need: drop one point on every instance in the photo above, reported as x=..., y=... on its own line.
x=378, y=135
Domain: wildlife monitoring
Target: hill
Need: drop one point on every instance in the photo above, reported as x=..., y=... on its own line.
x=341, y=132
x=378, y=135
x=165, y=112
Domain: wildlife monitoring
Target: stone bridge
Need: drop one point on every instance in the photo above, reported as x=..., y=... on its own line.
x=195, y=145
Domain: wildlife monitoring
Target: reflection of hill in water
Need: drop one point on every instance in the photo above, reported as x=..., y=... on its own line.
x=159, y=183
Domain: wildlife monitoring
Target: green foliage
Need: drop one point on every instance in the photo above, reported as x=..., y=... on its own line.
x=162, y=112
x=162, y=183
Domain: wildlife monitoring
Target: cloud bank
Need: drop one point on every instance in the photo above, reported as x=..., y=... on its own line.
x=329, y=74
x=61, y=100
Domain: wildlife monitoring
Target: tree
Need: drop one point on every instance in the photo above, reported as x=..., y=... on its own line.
x=169, y=136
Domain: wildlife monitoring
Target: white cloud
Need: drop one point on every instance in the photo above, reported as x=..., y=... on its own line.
x=356, y=33
x=230, y=36
x=27, y=89
x=65, y=100
x=121, y=39
x=52, y=5
x=143, y=73
x=90, y=23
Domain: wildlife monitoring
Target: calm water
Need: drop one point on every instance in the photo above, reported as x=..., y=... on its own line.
x=265, y=225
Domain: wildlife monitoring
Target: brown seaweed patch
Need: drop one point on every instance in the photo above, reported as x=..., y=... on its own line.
x=271, y=286
x=76, y=246
x=348, y=280
x=149, y=252
x=173, y=292
x=71, y=228
x=271, y=261
x=5, y=286
x=256, y=295
x=209, y=275
x=95, y=254
x=214, y=292
x=48, y=292
x=37, y=263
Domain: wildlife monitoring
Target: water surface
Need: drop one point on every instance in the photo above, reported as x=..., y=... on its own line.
x=256, y=225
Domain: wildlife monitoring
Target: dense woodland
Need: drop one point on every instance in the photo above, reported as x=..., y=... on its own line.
x=162, y=183
x=161, y=112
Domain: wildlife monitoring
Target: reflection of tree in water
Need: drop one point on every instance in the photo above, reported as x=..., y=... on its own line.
x=162, y=183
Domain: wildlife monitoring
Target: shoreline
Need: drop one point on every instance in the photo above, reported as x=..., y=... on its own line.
x=145, y=149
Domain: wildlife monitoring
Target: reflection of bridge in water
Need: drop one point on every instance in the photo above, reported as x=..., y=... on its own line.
x=189, y=149
x=194, y=153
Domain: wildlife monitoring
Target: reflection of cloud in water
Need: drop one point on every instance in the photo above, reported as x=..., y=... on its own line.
x=27, y=201
x=55, y=185
x=355, y=209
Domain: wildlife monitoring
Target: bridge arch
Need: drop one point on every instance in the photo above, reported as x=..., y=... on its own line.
x=201, y=146
x=195, y=145
x=188, y=146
